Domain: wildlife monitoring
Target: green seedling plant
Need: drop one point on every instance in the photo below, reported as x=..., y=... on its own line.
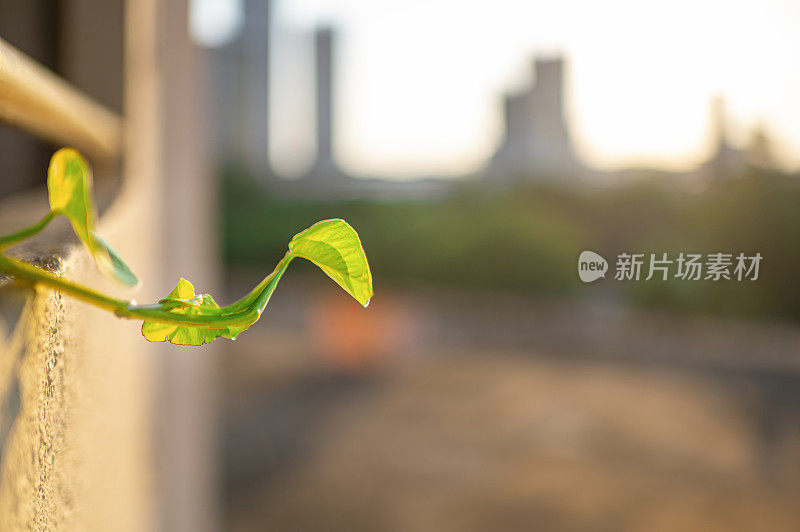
x=183, y=317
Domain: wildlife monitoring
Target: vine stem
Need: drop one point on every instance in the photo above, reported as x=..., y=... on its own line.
x=13, y=238
x=120, y=307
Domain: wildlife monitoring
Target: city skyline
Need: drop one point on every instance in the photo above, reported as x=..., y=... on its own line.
x=413, y=98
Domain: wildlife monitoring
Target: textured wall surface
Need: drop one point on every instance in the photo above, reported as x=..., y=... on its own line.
x=74, y=413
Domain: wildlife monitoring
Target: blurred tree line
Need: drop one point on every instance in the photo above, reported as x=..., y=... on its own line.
x=527, y=240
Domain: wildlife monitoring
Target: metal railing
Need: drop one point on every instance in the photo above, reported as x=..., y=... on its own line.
x=36, y=100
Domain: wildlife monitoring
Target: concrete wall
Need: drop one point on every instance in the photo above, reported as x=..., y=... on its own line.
x=99, y=429
x=76, y=387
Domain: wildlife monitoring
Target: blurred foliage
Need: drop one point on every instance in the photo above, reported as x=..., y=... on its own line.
x=528, y=239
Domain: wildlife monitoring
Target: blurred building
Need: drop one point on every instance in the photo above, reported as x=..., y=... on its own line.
x=326, y=179
x=325, y=172
x=537, y=143
x=241, y=72
x=760, y=151
x=726, y=159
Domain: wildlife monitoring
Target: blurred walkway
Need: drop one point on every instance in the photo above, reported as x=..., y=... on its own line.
x=437, y=411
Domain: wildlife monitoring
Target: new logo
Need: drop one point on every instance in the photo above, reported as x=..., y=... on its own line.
x=591, y=266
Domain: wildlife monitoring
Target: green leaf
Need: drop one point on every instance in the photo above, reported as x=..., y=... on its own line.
x=183, y=301
x=69, y=183
x=110, y=263
x=332, y=245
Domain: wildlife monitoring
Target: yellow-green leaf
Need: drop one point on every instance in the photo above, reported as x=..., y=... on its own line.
x=334, y=246
x=183, y=301
x=69, y=183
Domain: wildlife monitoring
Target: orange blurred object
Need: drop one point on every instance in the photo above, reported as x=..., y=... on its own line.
x=351, y=337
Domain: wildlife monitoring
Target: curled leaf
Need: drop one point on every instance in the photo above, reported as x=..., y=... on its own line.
x=332, y=245
x=69, y=183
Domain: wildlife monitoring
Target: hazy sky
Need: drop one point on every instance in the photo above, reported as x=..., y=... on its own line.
x=420, y=82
